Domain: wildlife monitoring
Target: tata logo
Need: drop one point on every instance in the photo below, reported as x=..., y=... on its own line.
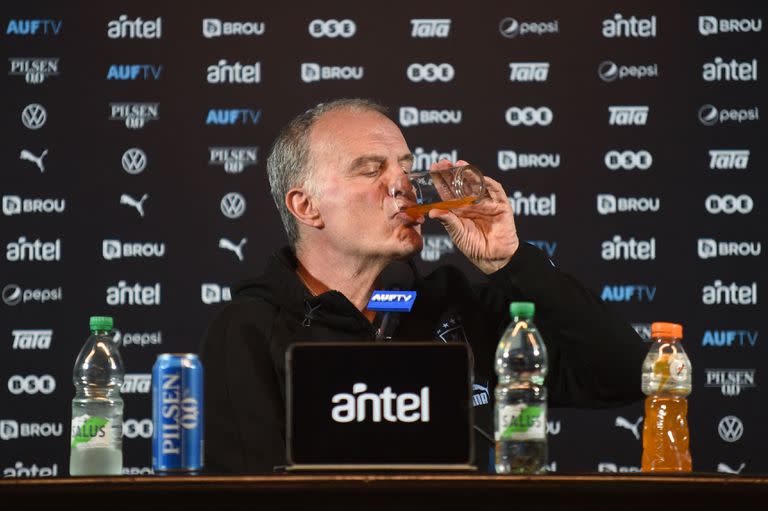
x=709, y=115
x=729, y=204
x=628, y=160
x=629, y=249
x=124, y=294
x=629, y=27
x=608, y=204
x=422, y=28
x=237, y=73
x=528, y=71
x=726, y=159
x=19, y=470
x=332, y=28
x=627, y=115
x=529, y=116
x=512, y=160
x=628, y=292
x=423, y=159
x=135, y=115
x=720, y=70
x=136, y=383
x=435, y=246
x=41, y=251
x=214, y=293
x=533, y=205
x=127, y=72
x=430, y=72
x=232, y=116
x=15, y=205
x=34, y=70
x=31, y=339
x=138, y=28
x=214, y=27
x=730, y=338
x=511, y=28
x=730, y=428
x=709, y=248
x=412, y=116
x=709, y=25
x=312, y=72
x=405, y=407
x=719, y=293
x=548, y=247
x=392, y=301
x=730, y=381
x=34, y=27
x=609, y=71
x=31, y=384
x=233, y=159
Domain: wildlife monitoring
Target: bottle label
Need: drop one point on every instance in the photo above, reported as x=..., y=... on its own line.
x=89, y=432
x=521, y=422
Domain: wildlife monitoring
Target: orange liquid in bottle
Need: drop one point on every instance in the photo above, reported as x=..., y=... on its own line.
x=666, y=441
x=417, y=211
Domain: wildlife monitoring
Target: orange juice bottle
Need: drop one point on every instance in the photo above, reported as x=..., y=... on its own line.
x=667, y=383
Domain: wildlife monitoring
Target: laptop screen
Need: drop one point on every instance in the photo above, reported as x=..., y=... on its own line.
x=379, y=404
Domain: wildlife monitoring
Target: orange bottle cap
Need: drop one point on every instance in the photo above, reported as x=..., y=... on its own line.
x=660, y=329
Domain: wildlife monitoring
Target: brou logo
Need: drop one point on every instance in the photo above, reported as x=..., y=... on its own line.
x=511, y=160
x=214, y=293
x=15, y=205
x=232, y=116
x=528, y=71
x=124, y=28
x=630, y=249
x=727, y=338
x=709, y=248
x=223, y=72
x=134, y=72
x=608, y=204
x=115, y=249
x=412, y=116
x=312, y=72
x=214, y=27
x=719, y=70
x=733, y=294
x=428, y=28
x=10, y=429
x=392, y=407
x=123, y=294
x=627, y=115
x=34, y=27
x=34, y=70
x=629, y=27
x=628, y=292
x=709, y=25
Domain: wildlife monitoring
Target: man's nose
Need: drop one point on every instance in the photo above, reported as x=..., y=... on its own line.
x=399, y=184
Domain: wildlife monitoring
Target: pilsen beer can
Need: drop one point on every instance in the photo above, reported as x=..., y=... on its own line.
x=177, y=413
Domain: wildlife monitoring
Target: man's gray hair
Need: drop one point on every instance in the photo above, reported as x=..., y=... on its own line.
x=289, y=165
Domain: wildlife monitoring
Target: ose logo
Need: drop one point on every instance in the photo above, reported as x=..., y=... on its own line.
x=332, y=28
x=31, y=384
x=430, y=72
x=729, y=204
x=529, y=116
x=628, y=160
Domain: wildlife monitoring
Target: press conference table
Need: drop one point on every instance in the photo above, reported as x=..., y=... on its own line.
x=365, y=492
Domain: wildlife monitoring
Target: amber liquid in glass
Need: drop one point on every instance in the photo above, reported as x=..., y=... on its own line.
x=417, y=211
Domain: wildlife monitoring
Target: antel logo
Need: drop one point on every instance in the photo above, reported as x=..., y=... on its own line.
x=34, y=70
x=630, y=249
x=31, y=339
x=629, y=27
x=733, y=294
x=729, y=204
x=135, y=115
x=33, y=116
x=730, y=428
x=412, y=116
x=134, y=160
x=116, y=249
x=233, y=205
x=628, y=160
x=423, y=159
x=628, y=292
x=141, y=339
x=609, y=71
x=720, y=70
x=608, y=204
x=405, y=407
x=19, y=470
x=34, y=27
x=430, y=72
x=233, y=159
x=727, y=338
x=332, y=28
x=123, y=294
x=730, y=381
x=313, y=72
x=224, y=72
x=31, y=384
x=129, y=72
x=511, y=27
x=529, y=116
x=728, y=159
x=528, y=71
x=709, y=25
x=627, y=115
x=533, y=205
x=232, y=116
x=133, y=428
x=136, y=383
x=138, y=28
x=709, y=248
x=214, y=293
x=435, y=246
x=13, y=294
x=11, y=429
x=214, y=27
x=423, y=28
x=42, y=251
x=709, y=115
x=512, y=160
x=15, y=205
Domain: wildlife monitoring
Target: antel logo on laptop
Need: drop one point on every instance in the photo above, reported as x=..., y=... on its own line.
x=405, y=407
x=392, y=301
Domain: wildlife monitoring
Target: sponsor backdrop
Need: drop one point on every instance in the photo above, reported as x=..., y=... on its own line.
x=627, y=135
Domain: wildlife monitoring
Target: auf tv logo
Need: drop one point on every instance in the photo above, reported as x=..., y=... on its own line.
x=628, y=293
x=34, y=27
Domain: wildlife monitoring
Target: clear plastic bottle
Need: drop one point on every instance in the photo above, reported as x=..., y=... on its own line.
x=520, y=411
x=97, y=409
x=667, y=383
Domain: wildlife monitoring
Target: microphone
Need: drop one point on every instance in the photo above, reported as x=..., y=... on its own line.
x=392, y=298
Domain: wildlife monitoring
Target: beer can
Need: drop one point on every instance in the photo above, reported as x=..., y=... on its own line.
x=177, y=413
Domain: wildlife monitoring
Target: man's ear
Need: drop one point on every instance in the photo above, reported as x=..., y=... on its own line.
x=301, y=205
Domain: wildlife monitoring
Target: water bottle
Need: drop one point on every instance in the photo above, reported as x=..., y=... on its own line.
x=666, y=380
x=520, y=412
x=97, y=408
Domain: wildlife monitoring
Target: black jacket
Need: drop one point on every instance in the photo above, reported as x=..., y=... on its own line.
x=595, y=357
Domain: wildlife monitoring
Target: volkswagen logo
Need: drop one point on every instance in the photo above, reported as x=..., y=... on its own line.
x=730, y=428
x=34, y=116
x=233, y=205
x=509, y=27
x=134, y=160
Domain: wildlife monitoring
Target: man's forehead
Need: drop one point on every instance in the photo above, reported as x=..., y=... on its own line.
x=365, y=132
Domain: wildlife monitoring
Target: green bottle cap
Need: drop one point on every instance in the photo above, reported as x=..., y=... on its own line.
x=522, y=309
x=101, y=323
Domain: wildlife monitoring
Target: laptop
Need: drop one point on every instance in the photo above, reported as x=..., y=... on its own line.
x=379, y=406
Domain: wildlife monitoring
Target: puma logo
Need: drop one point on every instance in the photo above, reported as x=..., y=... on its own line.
x=621, y=422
